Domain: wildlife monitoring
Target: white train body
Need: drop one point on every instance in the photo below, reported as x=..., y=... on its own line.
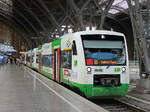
x=95, y=62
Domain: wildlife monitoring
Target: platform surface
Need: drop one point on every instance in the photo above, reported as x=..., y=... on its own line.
x=21, y=91
x=142, y=96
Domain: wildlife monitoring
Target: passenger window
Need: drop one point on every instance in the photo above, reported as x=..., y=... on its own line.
x=37, y=58
x=66, y=59
x=74, y=48
x=47, y=61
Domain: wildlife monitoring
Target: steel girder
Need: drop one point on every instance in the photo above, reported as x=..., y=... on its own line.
x=73, y=14
x=77, y=11
x=79, y=14
x=49, y=16
x=25, y=18
x=138, y=32
x=12, y=24
x=33, y=15
x=17, y=20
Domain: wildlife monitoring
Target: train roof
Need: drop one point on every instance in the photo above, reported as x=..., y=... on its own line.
x=46, y=45
x=95, y=32
x=82, y=33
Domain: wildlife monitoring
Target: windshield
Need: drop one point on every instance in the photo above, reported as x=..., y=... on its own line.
x=104, y=49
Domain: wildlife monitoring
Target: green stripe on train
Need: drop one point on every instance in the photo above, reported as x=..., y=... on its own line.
x=56, y=43
x=90, y=91
x=47, y=74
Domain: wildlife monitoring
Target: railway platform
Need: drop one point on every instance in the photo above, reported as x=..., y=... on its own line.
x=136, y=98
x=145, y=97
x=24, y=90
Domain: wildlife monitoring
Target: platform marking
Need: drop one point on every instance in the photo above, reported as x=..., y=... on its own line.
x=143, y=101
x=54, y=91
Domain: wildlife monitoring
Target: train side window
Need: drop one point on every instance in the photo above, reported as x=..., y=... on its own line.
x=66, y=59
x=32, y=59
x=47, y=61
x=37, y=58
x=74, y=48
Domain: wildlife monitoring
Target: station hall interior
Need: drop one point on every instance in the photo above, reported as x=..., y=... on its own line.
x=43, y=62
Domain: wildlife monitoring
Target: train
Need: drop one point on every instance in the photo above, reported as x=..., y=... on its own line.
x=94, y=62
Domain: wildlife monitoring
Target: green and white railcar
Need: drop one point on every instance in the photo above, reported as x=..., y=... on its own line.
x=29, y=58
x=23, y=58
x=46, y=60
x=100, y=75
x=94, y=62
x=35, y=63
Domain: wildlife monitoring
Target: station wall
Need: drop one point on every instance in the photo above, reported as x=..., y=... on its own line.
x=10, y=37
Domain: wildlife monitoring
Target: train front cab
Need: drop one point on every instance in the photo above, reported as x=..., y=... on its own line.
x=106, y=60
x=102, y=73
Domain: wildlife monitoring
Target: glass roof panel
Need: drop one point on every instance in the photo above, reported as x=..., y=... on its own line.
x=119, y=3
x=113, y=11
x=123, y=5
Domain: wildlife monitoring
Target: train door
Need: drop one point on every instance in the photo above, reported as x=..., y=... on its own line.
x=39, y=60
x=57, y=65
x=31, y=60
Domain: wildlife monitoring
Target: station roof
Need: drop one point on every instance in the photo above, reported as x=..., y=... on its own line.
x=43, y=20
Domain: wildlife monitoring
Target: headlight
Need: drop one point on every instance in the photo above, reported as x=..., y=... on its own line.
x=123, y=69
x=143, y=75
x=89, y=69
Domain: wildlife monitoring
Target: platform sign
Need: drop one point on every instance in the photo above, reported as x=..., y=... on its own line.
x=21, y=52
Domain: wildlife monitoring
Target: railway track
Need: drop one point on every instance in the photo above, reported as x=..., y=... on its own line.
x=117, y=106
